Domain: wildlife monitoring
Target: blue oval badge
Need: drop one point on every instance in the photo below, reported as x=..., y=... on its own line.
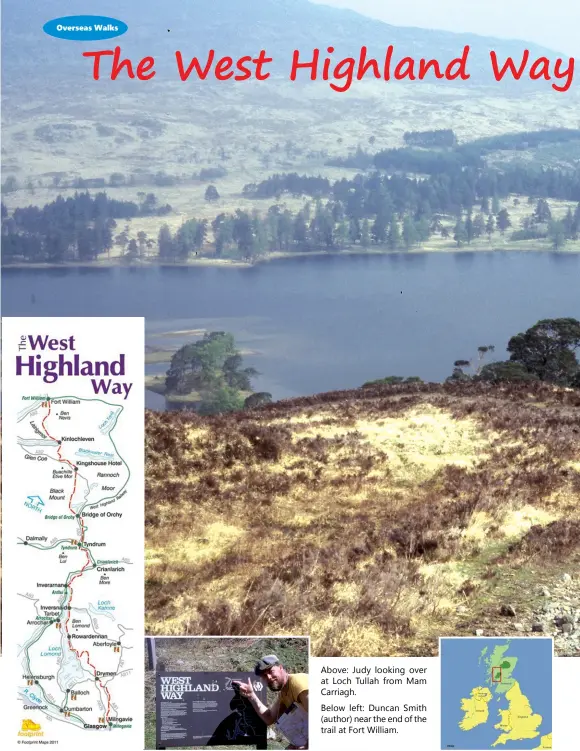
x=85, y=28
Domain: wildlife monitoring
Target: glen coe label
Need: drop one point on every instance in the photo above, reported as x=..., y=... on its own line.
x=81, y=28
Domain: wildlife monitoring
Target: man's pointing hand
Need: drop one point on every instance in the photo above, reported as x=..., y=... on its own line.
x=246, y=689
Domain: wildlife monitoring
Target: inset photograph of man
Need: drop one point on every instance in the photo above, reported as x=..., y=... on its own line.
x=226, y=692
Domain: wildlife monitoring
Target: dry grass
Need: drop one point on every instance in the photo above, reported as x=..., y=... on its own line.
x=363, y=517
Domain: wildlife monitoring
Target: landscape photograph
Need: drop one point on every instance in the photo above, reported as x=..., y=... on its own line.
x=359, y=276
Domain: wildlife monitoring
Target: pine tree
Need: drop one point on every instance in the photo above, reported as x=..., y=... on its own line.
x=568, y=222
x=165, y=242
x=354, y=231
x=300, y=231
x=576, y=223
x=409, y=232
x=503, y=220
x=490, y=226
x=423, y=228
x=542, y=213
x=379, y=228
x=557, y=234
x=365, y=238
x=460, y=233
x=132, y=249
x=394, y=236
x=478, y=226
x=469, y=228
x=211, y=193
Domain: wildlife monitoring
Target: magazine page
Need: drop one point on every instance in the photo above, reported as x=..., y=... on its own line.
x=291, y=374
x=294, y=725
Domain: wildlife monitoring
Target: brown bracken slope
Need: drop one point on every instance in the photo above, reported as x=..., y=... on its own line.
x=373, y=520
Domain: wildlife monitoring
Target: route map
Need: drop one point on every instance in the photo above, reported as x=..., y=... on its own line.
x=73, y=531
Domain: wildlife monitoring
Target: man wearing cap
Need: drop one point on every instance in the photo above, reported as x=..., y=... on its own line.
x=292, y=688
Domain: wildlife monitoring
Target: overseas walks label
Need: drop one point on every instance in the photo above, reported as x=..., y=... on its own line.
x=73, y=506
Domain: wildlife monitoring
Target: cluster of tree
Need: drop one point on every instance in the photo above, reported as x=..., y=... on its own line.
x=81, y=243
x=119, y=179
x=335, y=225
x=456, y=194
x=75, y=228
x=545, y=352
x=161, y=178
x=210, y=173
x=212, y=367
x=10, y=185
x=133, y=248
x=164, y=180
x=523, y=140
x=448, y=192
x=297, y=185
x=447, y=156
x=377, y=208
x=188, y=239
x=443, y=138
x=469, y=154
x=360, y=159
x=83, y=183
x=392, y=381
x=542, y=224
x=324, y=226
x=470, y=227
x=426, y=162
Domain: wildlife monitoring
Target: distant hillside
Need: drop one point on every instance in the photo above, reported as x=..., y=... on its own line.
x=374, y=520
x=232, y=27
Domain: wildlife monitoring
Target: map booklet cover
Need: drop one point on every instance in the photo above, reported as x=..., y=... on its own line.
x=72, y=453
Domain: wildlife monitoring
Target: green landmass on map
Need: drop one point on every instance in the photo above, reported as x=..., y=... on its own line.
x=501, y=680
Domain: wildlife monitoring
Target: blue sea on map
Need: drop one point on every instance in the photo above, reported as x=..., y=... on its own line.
x=463, y=669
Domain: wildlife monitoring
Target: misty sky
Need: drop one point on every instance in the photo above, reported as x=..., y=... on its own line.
x=555, y=25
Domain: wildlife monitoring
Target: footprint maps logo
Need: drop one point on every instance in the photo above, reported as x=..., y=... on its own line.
x=30, y=729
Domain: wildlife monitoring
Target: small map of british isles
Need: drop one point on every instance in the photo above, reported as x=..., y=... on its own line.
x=496, y=693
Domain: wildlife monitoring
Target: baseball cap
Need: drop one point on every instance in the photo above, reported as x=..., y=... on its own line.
x=265, y=662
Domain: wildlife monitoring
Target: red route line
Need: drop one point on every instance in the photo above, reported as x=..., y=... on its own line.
x=78, y=654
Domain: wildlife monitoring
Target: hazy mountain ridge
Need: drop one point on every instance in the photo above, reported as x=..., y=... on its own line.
x=60, y=125
x=232, y=27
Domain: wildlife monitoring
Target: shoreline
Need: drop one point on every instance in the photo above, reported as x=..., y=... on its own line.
x=274, y=256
